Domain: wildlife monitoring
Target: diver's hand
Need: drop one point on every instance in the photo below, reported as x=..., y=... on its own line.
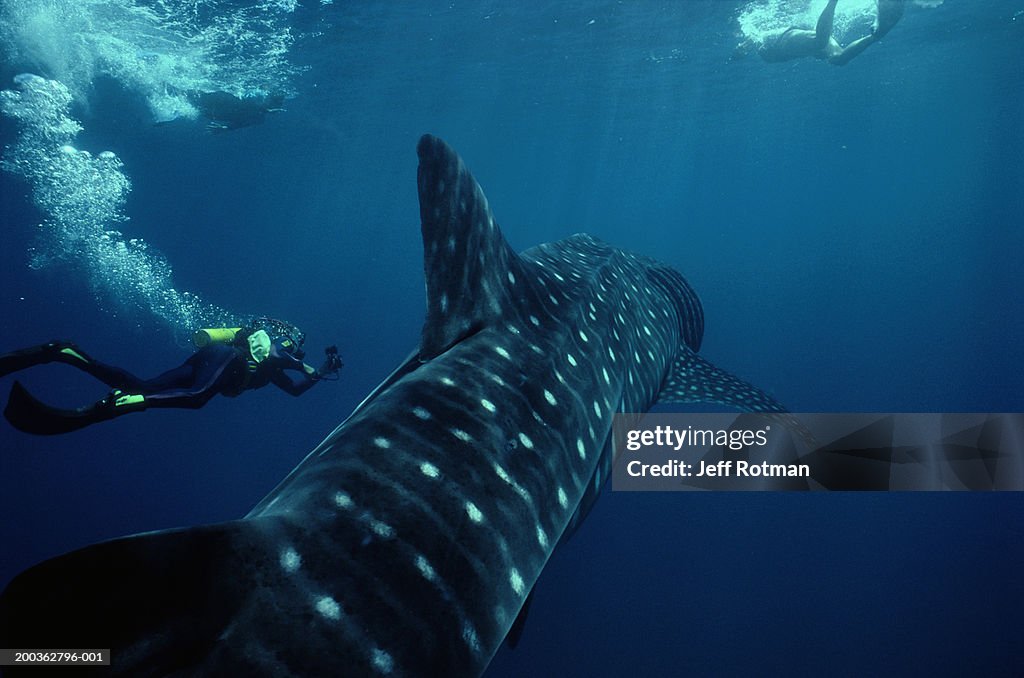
x=332, y=365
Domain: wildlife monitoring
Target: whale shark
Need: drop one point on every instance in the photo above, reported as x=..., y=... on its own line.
x=409, y=540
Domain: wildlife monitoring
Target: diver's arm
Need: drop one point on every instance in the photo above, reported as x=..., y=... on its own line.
x=298, y=384
x=308, y=375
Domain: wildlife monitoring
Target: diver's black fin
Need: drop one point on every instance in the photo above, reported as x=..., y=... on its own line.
x=26, y=413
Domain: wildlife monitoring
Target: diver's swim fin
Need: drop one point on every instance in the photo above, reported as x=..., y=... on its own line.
x=54, y=351
x=26, y=413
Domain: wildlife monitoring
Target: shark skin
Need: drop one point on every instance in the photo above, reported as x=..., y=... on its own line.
x=407, y=542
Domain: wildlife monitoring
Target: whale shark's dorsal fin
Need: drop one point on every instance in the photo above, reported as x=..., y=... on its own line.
x=468, y=265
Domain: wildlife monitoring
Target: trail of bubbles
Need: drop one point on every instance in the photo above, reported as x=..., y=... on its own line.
x=83, y=198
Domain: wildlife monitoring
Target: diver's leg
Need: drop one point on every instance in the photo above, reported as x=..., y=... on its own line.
x=28, y=357
x=211, y=369
x=112, y=376
x=181, y=376
x=60, y=351
x=823, y=31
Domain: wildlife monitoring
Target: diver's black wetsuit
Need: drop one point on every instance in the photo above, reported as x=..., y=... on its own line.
x=213, y=369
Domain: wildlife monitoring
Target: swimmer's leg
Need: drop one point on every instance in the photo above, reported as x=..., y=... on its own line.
x=852, y=50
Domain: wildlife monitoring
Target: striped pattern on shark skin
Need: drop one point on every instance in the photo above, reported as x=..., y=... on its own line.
x=407, y=542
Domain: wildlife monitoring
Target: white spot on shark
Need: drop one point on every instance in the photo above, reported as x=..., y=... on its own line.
x=342, y=500
x=382, y=443
x=475, y=514
x=328, y=607
x=421, y=413
x=382, y=661
x=581, y=448
x=548, y=396
x=516, y=580
x=461, y=435
x=571, y=359
x=469, y=635
x=290, y=560
x=542, y=538
x=563, y=500
x=488, y=405
x=525, y=440
x=521, y=491
x=425, y=568
x=502, y=352
x=382, y=529
x=429, y=470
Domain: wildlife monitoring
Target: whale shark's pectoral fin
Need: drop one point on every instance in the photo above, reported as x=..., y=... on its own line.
x=470, y=270
x=693, y=379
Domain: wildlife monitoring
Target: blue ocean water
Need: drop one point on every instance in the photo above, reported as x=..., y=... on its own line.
x=854, y=234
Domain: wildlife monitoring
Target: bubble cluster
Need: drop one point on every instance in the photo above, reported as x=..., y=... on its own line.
x=83, y=198
x=165, y=50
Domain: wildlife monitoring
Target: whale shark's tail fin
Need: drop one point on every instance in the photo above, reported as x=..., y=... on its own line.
x=160, y=601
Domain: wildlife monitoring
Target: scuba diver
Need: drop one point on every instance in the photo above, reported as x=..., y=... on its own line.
x=796, y=43
x=229, y=361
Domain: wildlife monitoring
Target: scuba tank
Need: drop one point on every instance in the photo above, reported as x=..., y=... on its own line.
x=217, y=335
x=257, y=336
